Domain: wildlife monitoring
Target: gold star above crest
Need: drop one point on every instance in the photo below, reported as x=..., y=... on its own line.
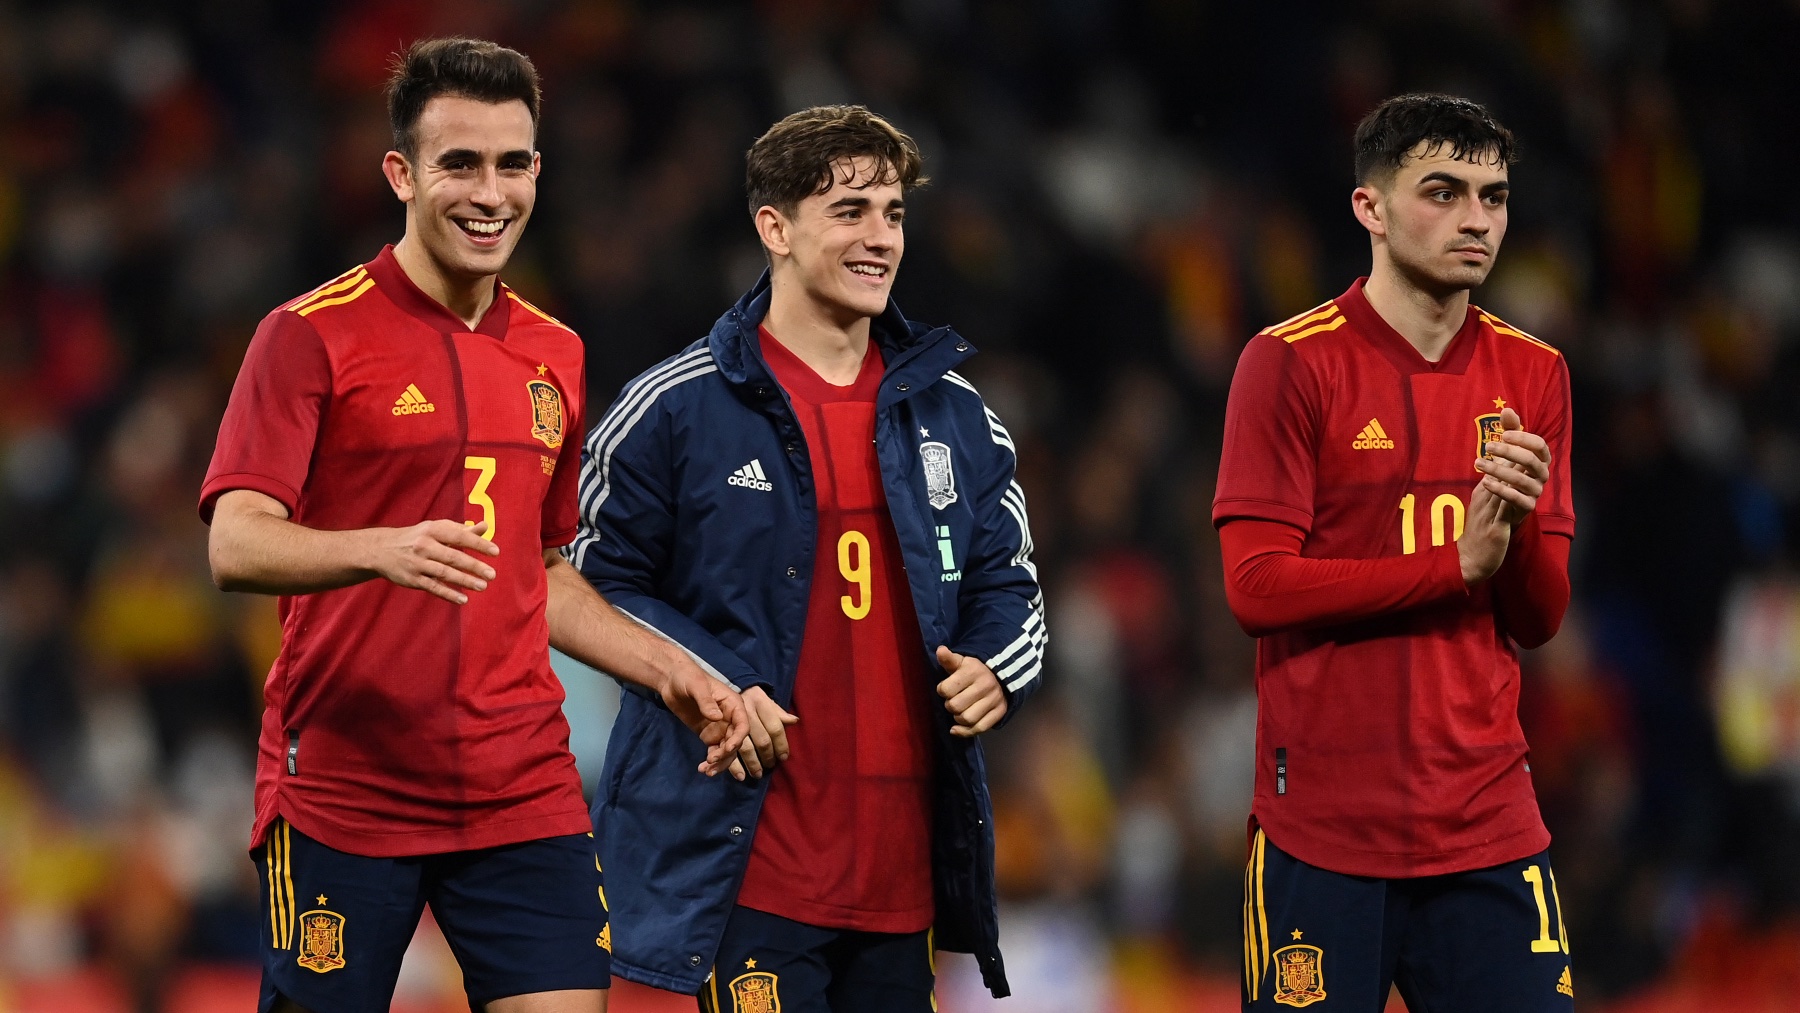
x=1499, y=402
x=750, y=965
x=542, y=369
x=1298, y=933
x=321, y=899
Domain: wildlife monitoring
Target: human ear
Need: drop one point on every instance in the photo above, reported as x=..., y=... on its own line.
x=399, y=175
x=772, y=227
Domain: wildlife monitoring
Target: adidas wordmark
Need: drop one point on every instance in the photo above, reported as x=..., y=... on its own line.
x=1373, y=437
x=751, y=476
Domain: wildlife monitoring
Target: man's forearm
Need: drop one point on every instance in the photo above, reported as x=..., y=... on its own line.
x=1531, y=591
x=1271, y=588
x=253, y=550
x=584, y=626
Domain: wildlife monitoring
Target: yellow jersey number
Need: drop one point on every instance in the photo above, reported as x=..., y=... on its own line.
x=1449, y=504
x=478, y=496
x=853, y=563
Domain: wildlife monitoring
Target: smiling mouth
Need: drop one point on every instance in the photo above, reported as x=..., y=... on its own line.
x=874, y=272
x=483, y=232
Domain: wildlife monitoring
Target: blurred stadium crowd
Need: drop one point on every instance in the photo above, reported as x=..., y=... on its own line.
x=1123, y=194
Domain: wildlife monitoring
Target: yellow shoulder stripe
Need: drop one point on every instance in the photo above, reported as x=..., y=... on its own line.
x=1331, y=325
x=351, y=296
x=338, y=284
x=1502, y=327
x=515, y=297
x=1311, y=315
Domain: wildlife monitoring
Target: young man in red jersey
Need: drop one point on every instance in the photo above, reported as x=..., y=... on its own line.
x=1395, y=511
x=815, y=502
x=399, y=462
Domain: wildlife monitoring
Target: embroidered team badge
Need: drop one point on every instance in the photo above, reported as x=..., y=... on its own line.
x=940, y=480
x=1487, y=430
x=1299, y=975
x=546, y=413
x=755, y=993
x=321, y=940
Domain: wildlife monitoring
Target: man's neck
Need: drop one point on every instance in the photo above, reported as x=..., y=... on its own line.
x=467, y=299
x=832, y=345
x=1427, y=320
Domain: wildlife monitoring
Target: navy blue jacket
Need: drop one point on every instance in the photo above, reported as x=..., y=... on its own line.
x=699, y=521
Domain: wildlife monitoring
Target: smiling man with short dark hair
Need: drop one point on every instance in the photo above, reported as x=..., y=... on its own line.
x=814, y=503
x=398, y=461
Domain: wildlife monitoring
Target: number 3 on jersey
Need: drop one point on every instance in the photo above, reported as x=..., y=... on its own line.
x=853, y=563
x=478, y=496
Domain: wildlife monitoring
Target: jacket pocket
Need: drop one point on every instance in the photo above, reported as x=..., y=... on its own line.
x=621, y=754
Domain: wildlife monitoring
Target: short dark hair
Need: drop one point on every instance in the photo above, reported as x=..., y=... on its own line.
x=1395, y=127
x=471, y=68
x=794, y=160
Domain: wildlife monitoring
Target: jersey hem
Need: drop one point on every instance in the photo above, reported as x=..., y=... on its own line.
x=410, y=843
x=1394, y=865
x=828, y=916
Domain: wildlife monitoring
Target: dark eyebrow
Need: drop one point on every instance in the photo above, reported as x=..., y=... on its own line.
x=1441, y=176
x=471, y=155
x=1501, y=186
x=848, y=202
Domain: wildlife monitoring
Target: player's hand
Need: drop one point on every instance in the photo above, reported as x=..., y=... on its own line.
x=972, y=694
x=767, y=743
x=1482, y=547
x=712, y=709
x=438, y=557
x=1518, y=469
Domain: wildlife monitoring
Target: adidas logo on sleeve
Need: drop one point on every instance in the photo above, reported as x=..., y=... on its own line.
x=1373, y=437
x=751, y=476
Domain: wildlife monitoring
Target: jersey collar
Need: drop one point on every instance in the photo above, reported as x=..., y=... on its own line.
x=1394, y=346
x=400, y=290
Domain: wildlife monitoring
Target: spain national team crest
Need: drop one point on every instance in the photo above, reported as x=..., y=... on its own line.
x=1487, y=430
x=940, y=479
x=1299, y=975
x=546, y=413
x=321, y=940
x=755, y=993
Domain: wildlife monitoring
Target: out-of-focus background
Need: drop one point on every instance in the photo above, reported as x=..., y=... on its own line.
x=1124, y=193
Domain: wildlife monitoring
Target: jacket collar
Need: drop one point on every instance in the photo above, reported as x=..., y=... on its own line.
x=916, y=355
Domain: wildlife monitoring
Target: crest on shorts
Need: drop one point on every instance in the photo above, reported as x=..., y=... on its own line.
x=321, y=940
x=546, y=413
x=755, y=993
x=1299, y=975
x=1487, y=430
x=940, y=480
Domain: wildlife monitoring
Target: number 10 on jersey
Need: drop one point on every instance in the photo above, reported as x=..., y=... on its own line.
x=1447, y=505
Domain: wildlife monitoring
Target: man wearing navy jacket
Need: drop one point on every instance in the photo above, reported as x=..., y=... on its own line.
x=814, y=505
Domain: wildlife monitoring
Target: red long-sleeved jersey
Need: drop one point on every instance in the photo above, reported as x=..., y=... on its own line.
x=1388, y=740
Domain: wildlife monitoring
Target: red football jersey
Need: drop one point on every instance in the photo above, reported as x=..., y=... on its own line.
x=1389, y=746
x=394, y=722
x=844, y=840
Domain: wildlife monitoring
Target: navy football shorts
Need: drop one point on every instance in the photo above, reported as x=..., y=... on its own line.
x=521, y=918
x=768, y=963
x=1486, y=941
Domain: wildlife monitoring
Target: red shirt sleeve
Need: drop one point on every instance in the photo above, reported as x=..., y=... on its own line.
x=1267, y=466
x=1273, y=589
x=1556, y=508
x=266, y=437
x=562, y=512
x=1531, y=591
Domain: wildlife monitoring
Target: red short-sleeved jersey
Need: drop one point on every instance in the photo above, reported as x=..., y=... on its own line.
x=396, y=723
x=1391, y=746
x=844, y=840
